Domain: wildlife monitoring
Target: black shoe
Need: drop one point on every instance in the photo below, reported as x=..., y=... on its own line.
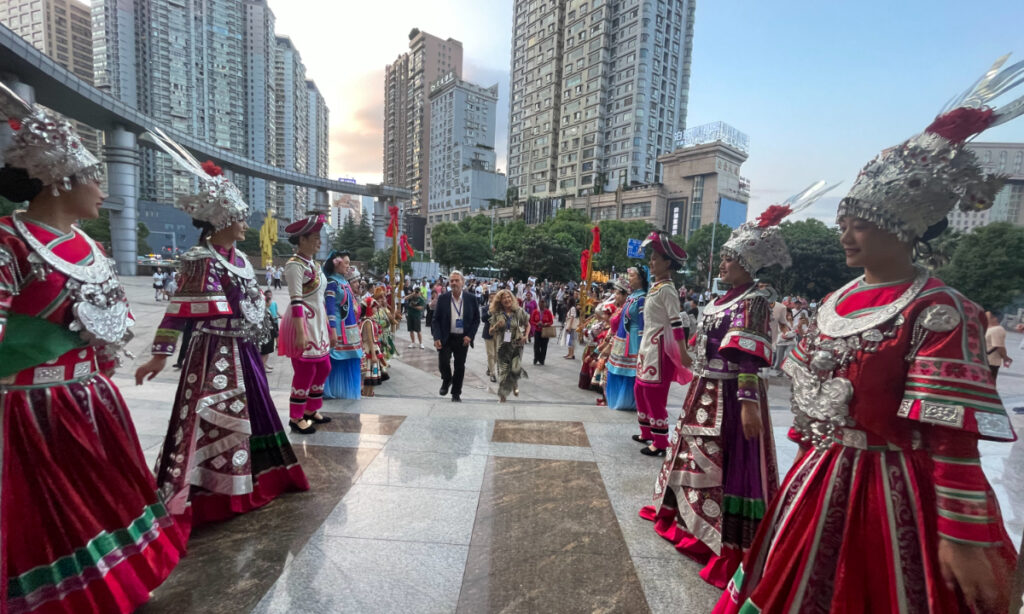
x=444, y=389
x=177, y=366
x=494, y=379
x=313, y=418
x=294, y=426
x=646, y=451
x=456, y=398
x=640, y=439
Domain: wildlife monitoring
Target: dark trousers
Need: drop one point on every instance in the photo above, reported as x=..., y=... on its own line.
x=430, y=317
x=540, y=348
x=186, y=338
x=455, y=348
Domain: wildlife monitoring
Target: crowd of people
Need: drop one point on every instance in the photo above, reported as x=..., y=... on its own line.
x=886, y=507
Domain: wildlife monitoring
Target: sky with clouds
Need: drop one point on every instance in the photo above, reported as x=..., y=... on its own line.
x=820, y=87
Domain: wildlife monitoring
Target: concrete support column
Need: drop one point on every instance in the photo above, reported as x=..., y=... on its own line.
x=122, y=154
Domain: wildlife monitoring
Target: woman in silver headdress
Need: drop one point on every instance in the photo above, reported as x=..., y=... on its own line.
x=225, y=452
x=887, y=508
x=82, y=528
x=721, y=472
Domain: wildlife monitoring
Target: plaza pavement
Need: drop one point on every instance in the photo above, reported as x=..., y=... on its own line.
x=422, y=505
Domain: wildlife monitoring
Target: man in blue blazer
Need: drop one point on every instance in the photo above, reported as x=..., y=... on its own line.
x=456, y=318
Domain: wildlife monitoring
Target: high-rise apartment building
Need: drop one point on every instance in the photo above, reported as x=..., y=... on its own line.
x=261, y=98
x=317, y=146
x=1005, y=159
x=462, y=159
x=213, y=69
x=292, y=124
x=62, y=29
x=598, y=91
x=407, y=111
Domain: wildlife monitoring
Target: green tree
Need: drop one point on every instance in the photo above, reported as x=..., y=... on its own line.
x=534, y=254
x=99, y=230
x=703, y=257
x=940, y=250
x=615, y=235
x=819, y=263
x=987, y=265
x=381, y=260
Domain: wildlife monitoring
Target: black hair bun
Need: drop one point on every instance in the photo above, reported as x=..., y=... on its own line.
x=16, y=186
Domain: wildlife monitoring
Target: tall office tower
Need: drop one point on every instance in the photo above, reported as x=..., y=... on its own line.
x=317, y=149
x=407, y=110
x=261, y=98
x=462, y=176
x=62, y=29
x=292, y=124
x=598, y=91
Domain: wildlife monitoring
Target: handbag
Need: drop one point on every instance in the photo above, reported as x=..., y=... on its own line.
x=548, y=332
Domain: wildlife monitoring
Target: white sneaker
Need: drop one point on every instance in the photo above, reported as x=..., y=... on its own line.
x=421, y=346
x=412, y=345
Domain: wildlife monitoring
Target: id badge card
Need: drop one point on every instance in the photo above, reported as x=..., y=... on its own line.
x=508, y=336
x=458, y=322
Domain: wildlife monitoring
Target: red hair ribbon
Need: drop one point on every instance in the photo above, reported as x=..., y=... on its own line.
x=773, y=215
x=404, y=249
x=393, y=223
x=595, y=244
x=212, y=169
x=584, y=262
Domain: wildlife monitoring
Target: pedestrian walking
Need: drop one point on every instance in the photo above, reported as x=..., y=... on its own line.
x=414, y=308
x=510, y=325
x=995, y=342
x=542, y=323
x=455, y=322
x=569, y=329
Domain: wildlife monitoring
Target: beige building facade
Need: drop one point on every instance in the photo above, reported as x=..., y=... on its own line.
x=407, y=111
x=1005, y=159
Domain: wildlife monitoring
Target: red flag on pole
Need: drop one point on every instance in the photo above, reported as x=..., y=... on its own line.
x=393, y=222
x=595, y=245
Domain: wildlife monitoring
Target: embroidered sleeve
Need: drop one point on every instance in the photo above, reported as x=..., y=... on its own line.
x=968, y=512
x=749, y=332
x=293, y=276
x=331, y=294
x=948, y=381
x=664, y=299
x=200, y=296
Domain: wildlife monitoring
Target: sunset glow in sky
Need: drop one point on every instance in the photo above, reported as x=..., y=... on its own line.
x=820, y=87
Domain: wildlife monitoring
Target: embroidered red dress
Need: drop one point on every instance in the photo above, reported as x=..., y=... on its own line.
x=81, y=528
x=891, y=394
x=225, y=452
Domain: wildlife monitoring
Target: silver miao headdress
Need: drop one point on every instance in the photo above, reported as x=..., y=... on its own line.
x=45, y=144
x=218, y=202
x=912, y=186
x=759, y=244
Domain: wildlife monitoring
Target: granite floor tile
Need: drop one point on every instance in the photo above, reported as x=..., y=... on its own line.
x=548, y=432
x=536, y=450
x=343, y=440
x=401, y=513
x=553, y=505
x=514, y=579
x=426, y=470
x=673, y=585
x=370, y=424
x=581, y=413
x=230, y=565
x=489, y=410
x=337, y=574
x=454, y=435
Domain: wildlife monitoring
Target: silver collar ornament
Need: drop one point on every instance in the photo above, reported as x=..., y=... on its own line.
x=912, y=186
x=100, y=305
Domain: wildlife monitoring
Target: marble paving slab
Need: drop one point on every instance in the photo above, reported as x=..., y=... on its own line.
x=555, y=433
x=546, y=540
x=231, y=564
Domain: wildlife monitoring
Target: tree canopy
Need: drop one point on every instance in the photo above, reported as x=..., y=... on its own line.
x=357, y=239
x=702, y=257
x=819, y=263
x=988, y=266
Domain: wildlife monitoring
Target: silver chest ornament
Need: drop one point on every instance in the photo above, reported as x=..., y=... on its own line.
x=99, y=303
x=251, y=301
x=821, y=392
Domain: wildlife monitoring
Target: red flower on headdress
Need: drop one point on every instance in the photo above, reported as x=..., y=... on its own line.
x=960, y=124
x=15, y=124
x=212, y=169
x=773, y=215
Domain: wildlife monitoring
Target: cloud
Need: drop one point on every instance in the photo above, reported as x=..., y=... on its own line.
x=357, y=127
